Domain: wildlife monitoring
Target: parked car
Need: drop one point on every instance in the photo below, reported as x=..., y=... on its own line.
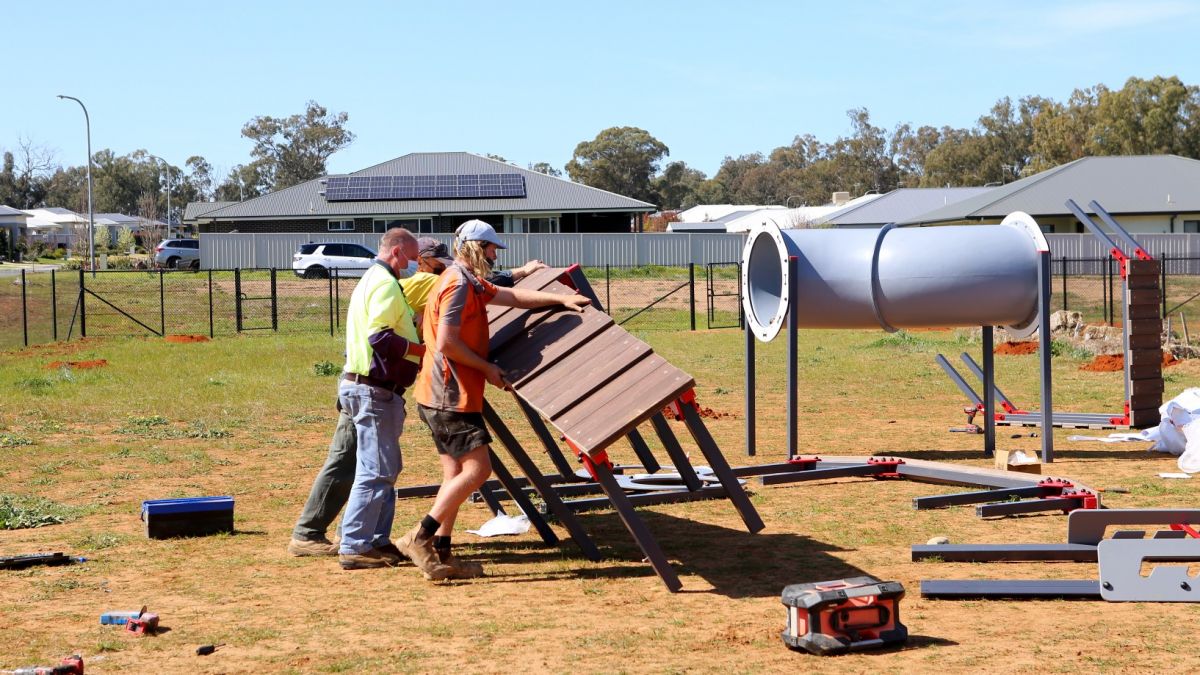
x=314, y=261
x=178, y=254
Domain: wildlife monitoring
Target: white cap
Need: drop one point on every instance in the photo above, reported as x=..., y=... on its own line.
x=477, y=230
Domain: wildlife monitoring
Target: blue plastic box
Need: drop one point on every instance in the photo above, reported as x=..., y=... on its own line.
x=187, y=516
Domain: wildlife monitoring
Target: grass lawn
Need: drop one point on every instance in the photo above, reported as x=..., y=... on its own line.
x=251, y=417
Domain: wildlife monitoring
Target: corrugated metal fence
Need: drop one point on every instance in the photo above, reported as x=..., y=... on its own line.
x=228, y=251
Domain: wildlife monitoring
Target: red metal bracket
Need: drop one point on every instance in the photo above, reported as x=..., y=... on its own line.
x=686, y=398
x=1083, y=498
x=809, y=461
x=1121, y=261
x=565, y=278
x=1124, y=421
x=1184, y=527
x=591, y=460
x=892, y=462
x=1061, y=484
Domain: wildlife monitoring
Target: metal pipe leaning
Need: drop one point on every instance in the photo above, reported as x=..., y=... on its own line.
x=895, y=277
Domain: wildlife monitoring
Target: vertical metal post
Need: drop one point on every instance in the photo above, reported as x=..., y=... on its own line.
x=54, y=305
x=162, y=303
x=1064, y=273
x=989, y=392
x=792, y=356
x=24, y=309
x=237, y=298
x=337, y=298
x=1047, y=402
x=82, y=307
x=1104, y=291
x=607, y=289
x=749, y=390
x=692, y=293
x=274, y=304
x=211, y=334
x=331, y=310
x=1112, y=312
x=1163, y=275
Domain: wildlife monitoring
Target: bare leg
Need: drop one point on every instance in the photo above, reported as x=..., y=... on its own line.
x=450, y=469
x=474, y=468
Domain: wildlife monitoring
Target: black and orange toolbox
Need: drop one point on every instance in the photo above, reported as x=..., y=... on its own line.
x=834, y=617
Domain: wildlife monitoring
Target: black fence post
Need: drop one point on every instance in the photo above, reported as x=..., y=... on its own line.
x=211, y=333
x=692, y=293
x=607, y=290
x=1163, y=272
x=82, y=306
x=274, y=304
x=237, y=297
x=337, y=298
x=162, y=303
x=24, y=309
x=54, y=305
x=1064, y=273
x=330, y=282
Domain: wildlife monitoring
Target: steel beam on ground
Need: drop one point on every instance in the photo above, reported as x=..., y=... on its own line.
x=989, y=589
x=1027, y=506
x=952, y=476
x=976, y=497
x=1004, y=552
x=650, y=498
x=824, y=474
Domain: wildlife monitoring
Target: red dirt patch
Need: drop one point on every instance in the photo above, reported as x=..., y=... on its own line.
x=1113, y=362
x=1017, y=348
x=186, y=338
x=82, y=365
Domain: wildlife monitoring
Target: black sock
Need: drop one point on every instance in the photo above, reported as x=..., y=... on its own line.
x=429, y=526
x=442, y=543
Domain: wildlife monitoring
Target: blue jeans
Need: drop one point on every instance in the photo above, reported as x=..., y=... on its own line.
x=378, y=416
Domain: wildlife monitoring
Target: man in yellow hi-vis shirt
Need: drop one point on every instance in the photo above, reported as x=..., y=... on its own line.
x=383, y=353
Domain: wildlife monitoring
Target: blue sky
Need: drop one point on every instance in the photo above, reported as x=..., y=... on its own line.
x=530, y=80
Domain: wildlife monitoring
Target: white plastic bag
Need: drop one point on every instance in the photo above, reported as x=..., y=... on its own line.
x=1189, y=461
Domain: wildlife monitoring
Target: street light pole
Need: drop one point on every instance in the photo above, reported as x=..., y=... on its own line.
x=91, y=216
x=168, y=167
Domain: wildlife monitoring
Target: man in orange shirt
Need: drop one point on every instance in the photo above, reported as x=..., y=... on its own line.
x=450, y=386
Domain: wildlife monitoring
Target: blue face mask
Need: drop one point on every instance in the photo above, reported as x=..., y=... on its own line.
x=408, y=271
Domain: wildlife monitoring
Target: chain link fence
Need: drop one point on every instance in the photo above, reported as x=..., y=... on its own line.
x=49, y=306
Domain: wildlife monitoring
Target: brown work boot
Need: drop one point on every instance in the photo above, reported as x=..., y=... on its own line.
x=460, y=569
x=363, y=561
x=419, y=549
x=393, y=554
x=305, y=547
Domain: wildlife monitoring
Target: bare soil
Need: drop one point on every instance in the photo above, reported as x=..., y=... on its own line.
x=1017, y=348
x=186, y=338
x=1116, y=362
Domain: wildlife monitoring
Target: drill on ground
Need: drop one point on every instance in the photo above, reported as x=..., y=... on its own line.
x=71, y=665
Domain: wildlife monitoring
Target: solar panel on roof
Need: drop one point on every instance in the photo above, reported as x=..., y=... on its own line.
x=454, y=186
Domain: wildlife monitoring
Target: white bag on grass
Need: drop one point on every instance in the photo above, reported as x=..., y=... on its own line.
x=1189, y=461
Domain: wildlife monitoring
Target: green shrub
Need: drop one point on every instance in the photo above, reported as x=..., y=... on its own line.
x=18, y=512
x=325, y=369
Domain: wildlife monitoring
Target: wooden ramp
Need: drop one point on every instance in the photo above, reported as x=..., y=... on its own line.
x=595, y=383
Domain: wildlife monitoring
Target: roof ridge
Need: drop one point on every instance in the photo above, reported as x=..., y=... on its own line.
x=1035, y=179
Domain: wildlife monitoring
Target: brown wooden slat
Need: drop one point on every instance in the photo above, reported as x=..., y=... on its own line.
x=1142, y=281
x=579, y=378
x=1144, y=357
x=509, y=325
x=1143, y=311
x=1145, y=267
x=1149, y=296
x=1146, y=326
x=534, y=282
x=1144, y=418
x=1151, y=341
x=631, y=402
x=1145, y=401
x=1151, y=386
x=1149, y=371
x=541, y=346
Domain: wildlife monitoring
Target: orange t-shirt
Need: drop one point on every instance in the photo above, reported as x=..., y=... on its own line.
x=459, y=299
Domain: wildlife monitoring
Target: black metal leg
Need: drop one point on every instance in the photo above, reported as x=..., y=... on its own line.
x=514, y=490
x=989, y=393
x=544, y=488
x=491, y=499
x=639, y=531
x=675, y=452
x=543, y=433
x=721, y=468
x=643, y=451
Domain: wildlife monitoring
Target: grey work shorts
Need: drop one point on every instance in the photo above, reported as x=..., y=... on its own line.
x=455, y=433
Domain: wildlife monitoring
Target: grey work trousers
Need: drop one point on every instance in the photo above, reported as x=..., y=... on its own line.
x=332, y=486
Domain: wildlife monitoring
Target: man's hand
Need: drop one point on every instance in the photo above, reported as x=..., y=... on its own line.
x=575, y=302
x=495, y=376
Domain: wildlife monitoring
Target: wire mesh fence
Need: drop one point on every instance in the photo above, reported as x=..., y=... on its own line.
x=48, y=306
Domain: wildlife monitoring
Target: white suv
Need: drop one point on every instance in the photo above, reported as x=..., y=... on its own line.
x=314, y=261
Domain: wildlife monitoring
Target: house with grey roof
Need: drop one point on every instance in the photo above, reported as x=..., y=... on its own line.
x=12, y=221
x=1146, y=193
x=427, y=192
x=898, y=206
